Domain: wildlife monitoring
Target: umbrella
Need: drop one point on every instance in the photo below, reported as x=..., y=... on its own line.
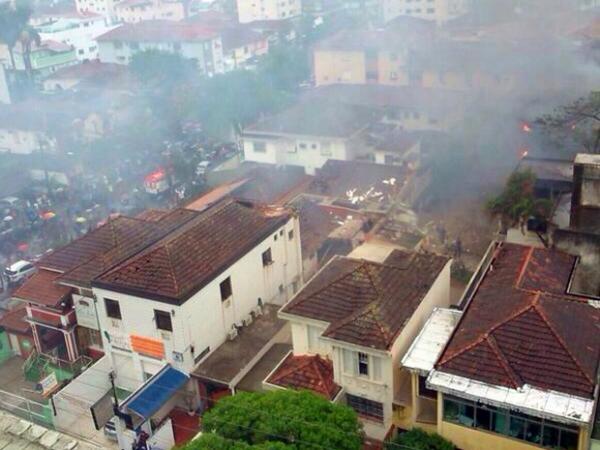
x=23, y=247
x=48, y=215
x=81, y=220
x=8, y=218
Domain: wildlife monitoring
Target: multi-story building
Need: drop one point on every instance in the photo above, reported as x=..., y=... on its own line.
x=308, y=135
x=517, y=367
x=133, y=11
x=180, y=298
x=351, y=325
x=439, y=11
x=78, y=30
x=253, y=10
x=42, y=60
x=190, y=40
x=105, y=8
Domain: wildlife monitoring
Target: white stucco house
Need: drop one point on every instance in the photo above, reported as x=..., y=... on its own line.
x=352, y=324
x=185, y=295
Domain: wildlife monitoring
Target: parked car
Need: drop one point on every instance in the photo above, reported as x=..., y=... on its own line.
x=19, y=271
x=202, y=167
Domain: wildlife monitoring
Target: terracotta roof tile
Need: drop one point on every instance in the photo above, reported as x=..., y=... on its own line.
x=181, y=263
x=368, y=303
x=522, y=327
x=160, y=31
x=306, y=372
x=14, y=320
x=41, y=288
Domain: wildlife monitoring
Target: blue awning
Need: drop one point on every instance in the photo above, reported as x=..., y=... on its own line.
x=155, y=392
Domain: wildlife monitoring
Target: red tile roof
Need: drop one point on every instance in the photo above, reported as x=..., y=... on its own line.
x=41, y=288
x=522, y=327
x=106, y=246
x=186, y=260
x=160, y=31
x=15, y=322
x=368, y=303
x=306, y=372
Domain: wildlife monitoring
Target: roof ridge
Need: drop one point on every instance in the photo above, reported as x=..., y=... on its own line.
x=304, y=361
x=477, y=341
x=171, y=267
x=517, y=380
x=524, y=267
x=540, y=311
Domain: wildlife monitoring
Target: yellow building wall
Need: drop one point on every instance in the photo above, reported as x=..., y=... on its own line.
x=339, y=67
x=467, y=438
x=392, y=71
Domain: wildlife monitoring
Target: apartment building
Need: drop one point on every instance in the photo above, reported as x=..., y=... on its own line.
x=307, y=135
x=517, y=367
x=105, y=8
x=179, y=299
x=254, y=10
x=439, y=11
x=133, y=11
x=190, y=40
x=78, y=30
x=351, y=325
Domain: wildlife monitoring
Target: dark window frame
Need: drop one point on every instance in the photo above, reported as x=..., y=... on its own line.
x=163, y=320
x=225, y=289
x=267, y=257
x=366, y=408
x=113, y=309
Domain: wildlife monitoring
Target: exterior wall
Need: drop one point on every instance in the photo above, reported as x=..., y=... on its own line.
x=250, y=11
x=4, y=91
x=207, y=54
x=398, y=157
x=203, y=321
x=19, y=141
x=392, y=69
x=103, y=7
x=44, y=62
x=80, y=33
x=436, y=10
x=157, y=10
x=334, y=67
x=288, y=151
x=237, y=57
x=382, y=390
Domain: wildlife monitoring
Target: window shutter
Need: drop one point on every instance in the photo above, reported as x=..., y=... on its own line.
x=376, y=368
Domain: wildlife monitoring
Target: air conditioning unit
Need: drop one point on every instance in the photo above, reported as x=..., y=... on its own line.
x=233, y=333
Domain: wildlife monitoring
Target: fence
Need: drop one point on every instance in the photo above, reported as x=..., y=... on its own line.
x=27, y=409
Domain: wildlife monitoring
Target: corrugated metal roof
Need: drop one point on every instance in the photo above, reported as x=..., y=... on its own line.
x=426, y=348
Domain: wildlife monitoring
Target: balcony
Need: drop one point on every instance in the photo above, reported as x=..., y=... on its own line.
x=427, y=411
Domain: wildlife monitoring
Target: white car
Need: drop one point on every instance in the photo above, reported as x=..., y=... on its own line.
x=19, y=271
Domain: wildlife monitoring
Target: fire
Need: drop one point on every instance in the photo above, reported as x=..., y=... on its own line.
x=524, y=153
x=525, y=127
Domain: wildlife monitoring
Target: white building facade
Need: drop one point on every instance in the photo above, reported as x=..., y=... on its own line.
x=439, y=11
x=253, y=10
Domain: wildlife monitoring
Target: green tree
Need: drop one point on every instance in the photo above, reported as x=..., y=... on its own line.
x=27, y=38
x=282, y=419
x=285, y=67
x=417, y=439
x=13, y=21
x=160, y=69
x=517, y=202
x=579, y=121
x=211, y=441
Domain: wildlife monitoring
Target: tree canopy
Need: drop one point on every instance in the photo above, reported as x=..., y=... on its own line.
x=13, y=21
x=417, y=439
x=517, y=202
x=578, y=121
x=278, y=420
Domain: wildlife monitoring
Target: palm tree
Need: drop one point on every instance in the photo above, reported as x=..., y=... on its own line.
x=13, y=20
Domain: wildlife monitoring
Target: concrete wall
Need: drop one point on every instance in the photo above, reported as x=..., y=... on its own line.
x=435, y=10
x=203, y=320
x=249, y=11
x=308, y=152
x=159, y=10
x=334, y=67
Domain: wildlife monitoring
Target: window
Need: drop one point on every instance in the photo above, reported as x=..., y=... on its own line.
x=259, y=147
x=365, y=408
x=113, y=310
x=225, y=287
x=290, y=235
x=275, y=237
x=325, y=148
x=363, y=364
x=302, y=146
x=163, y=320
x=313, y=146
x=267, y=259
x=510, y=423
